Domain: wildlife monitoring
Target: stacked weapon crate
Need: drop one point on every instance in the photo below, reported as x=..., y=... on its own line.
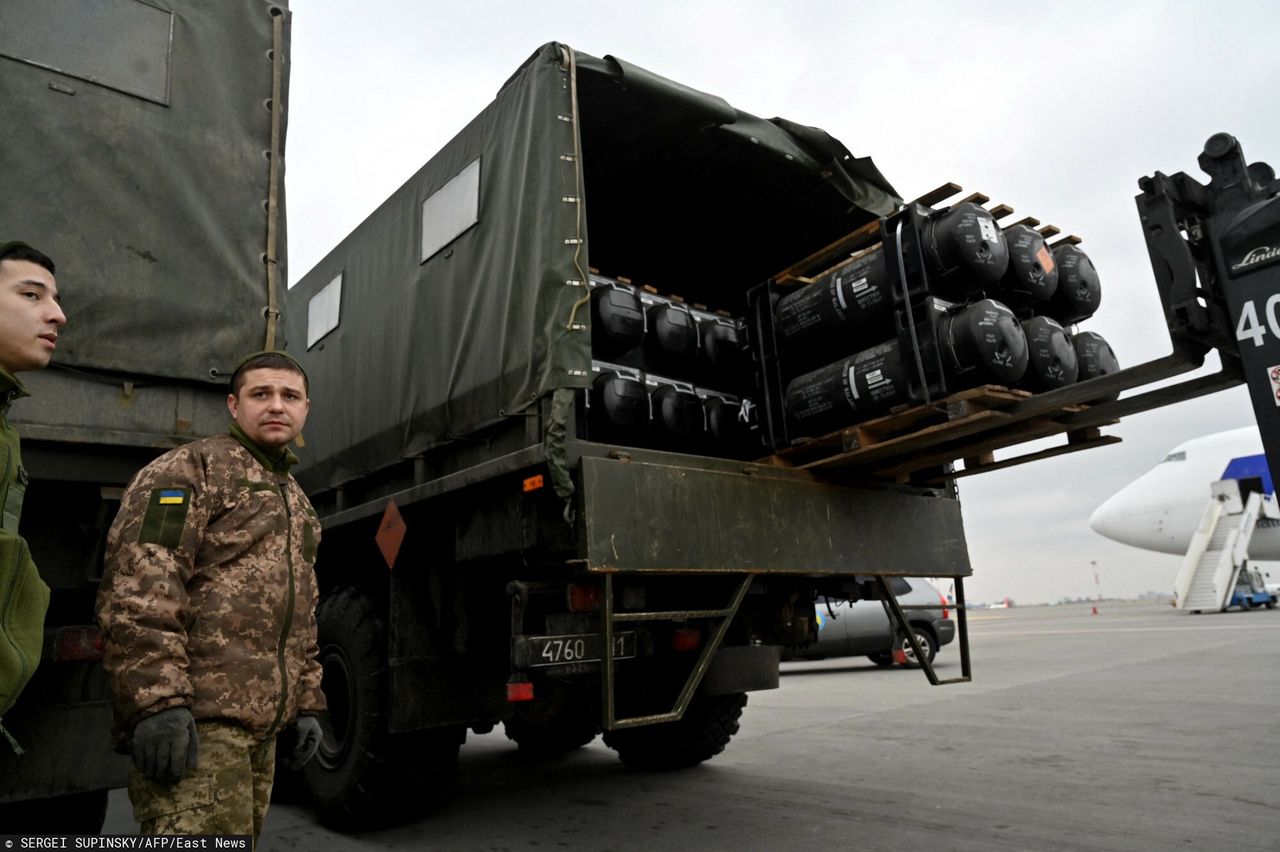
x=920, y=325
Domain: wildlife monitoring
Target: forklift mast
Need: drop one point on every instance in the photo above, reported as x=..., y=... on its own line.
x=1215, y=251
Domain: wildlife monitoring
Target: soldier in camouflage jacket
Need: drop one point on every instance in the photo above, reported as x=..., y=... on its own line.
x=208, y=608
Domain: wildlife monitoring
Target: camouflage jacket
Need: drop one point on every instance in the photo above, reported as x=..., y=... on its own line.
x=208, y=599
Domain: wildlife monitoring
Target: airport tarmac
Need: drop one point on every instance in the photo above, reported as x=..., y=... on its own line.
x=1139, y=728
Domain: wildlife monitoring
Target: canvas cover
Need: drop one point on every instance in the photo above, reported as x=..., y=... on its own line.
x=135, y=155
x=581, y=161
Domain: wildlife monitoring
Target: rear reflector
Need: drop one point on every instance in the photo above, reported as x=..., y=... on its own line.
x=686, y=639
x=584, y=597
x=533, y=483
x=76, y=644
x=519, y=690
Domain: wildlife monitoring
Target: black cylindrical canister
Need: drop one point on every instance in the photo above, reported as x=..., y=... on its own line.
x=1052, y=362
x=671, y=340
x=678, y=422
x=730, y=426
x=619, y=407
x=617, y=320
x=965, y=249
x=1032, y=276
x=1079, y=293
x=842, y=304
x=721, y=354
x=1094, y=354
x=982, y=343
x=965, y=252
x=856, y=388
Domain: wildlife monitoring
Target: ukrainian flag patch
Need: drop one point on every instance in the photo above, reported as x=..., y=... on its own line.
x=166, y=517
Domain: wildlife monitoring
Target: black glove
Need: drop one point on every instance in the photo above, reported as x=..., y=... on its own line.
x=165, y=745
x=309, y=735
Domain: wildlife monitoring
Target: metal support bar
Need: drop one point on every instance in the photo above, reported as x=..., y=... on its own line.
x=911, y=321
x=1103, y=386
x=673, y=615
x=1227, y=377
x=962, y=627
x=899, y=617
x=611, y=722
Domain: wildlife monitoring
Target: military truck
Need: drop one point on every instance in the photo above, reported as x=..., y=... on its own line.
x=160, y=198
x=531, y=515
x=493, y=552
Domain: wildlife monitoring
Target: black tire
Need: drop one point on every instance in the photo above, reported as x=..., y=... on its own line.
x=702, y=733
x=78, y=813
x=925, y=637
x=562, y=717
x=884, y=659
x=363, y=776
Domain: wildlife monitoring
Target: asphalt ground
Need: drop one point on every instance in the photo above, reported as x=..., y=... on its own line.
x=1139, y=728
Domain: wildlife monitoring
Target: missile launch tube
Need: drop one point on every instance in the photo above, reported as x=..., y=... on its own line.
x=1032, y=276
x=1079, y=293
x=965, y=251
x=1052, y=361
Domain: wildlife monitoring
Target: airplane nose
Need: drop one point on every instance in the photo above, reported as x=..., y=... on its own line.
x=1098, y=520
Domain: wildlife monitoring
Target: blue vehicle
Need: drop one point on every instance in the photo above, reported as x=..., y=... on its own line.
x=1251, y=591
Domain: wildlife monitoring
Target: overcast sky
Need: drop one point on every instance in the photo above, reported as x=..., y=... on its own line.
x=1054, y=109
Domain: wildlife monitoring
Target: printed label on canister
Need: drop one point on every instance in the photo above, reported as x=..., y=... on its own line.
x=1046, y=259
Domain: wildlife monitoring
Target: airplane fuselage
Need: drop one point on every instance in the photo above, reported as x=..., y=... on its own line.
x=1161, y=509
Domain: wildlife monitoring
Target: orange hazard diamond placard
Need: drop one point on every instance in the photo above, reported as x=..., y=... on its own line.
x=390, y=534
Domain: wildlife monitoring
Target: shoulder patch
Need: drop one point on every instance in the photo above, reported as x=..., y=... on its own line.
x=166, y=517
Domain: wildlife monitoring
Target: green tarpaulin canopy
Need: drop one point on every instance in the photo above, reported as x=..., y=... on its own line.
x=462, y=300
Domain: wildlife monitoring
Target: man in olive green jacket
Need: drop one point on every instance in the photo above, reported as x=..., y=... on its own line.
x=30, y=317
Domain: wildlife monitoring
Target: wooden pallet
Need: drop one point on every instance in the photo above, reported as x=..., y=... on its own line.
x=911, y=445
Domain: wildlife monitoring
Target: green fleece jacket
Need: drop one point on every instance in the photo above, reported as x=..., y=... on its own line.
x=24, y=598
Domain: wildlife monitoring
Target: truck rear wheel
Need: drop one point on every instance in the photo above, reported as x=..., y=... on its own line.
x=561, y=718
x=364, y=775
x=702, y=733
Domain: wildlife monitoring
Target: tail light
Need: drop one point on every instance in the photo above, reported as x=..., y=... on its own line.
x=583, y=597
x=519, y=688
x=946, y=613
x=686, y=639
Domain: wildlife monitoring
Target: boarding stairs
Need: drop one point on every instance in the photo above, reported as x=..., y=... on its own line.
x=1219, y=548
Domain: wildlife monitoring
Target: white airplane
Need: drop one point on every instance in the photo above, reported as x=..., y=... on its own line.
x=1161, y=509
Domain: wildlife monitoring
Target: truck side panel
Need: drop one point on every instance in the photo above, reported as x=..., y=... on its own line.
x=150, y=191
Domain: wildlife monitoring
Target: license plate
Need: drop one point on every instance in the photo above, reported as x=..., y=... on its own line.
x=577, y=648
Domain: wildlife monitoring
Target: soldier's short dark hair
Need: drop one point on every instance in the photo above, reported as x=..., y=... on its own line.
x=266, y=361
x=18, y=250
